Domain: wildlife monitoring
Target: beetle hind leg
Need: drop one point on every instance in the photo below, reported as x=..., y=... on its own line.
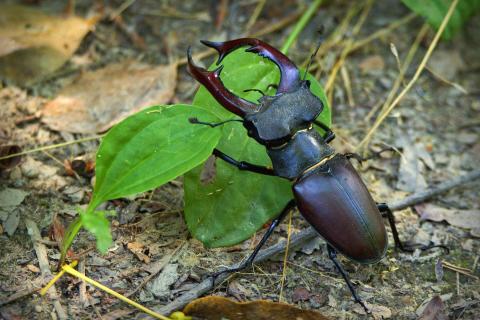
x=387, y=213
x=249, y=261
x=332, y=254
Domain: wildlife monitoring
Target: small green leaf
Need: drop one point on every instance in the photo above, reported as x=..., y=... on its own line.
x=237, y=203
x=70, y=234
x=435, y=10
x=97, y=223
x=151, y=148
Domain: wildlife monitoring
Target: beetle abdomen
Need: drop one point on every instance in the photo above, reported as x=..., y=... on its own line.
x=336, y=202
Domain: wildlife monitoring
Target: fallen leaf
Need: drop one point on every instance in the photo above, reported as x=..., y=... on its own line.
x=9, y=200
x=434, y=310
x=99, y=99
x=34, y=44
x=217, y=308
x=377, y=311
x=9, y=163
x=300, y=294
x=33, y=268
x=138, y=249
x=468, y=219
x=410, y=172
x=160, y=287
x=57, y=230
x=372, y=63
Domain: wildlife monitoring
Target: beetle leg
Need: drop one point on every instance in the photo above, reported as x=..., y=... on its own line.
x=289, y=74
x=332, y=254
x=387, y=213
x=329, y=134
x=211, y=81
x=242, y=165
x=247, y=263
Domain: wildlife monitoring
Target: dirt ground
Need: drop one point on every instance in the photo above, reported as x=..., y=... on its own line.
x=435, y=130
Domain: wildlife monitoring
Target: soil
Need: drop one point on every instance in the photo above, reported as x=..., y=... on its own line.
x=435, y=127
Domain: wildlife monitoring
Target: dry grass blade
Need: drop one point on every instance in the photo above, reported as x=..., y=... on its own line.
x=415, y=77
x=408, y=60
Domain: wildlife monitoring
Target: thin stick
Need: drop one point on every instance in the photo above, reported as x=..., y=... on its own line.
x=300, y=25
x=41, y=252
x=256, y=13
x=406, y=64
x=285, y=257
x=420, y=68
x=282, y=23
x=50, y=147
x=307, y=234
x=346, y=51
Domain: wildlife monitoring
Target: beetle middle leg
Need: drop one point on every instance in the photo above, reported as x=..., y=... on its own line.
x=243, y=165
x=332, y=254
x=249, y=261
x=387, y=213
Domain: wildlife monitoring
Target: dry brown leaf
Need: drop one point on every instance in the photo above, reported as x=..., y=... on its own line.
x=34, y=44
x=468, y=219
x=33, y=268
x=216, y=308
x=99, y=99
x=137, y=249
x=372, y=63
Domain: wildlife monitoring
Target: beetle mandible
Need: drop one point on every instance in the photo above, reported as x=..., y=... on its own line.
x=327, y=189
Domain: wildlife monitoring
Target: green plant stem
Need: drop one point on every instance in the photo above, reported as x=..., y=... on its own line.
x=300, y=26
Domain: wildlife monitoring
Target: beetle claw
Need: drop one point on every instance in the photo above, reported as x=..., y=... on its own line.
x=211, y=81
x=289, y=74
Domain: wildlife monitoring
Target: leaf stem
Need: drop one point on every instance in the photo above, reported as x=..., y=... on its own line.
x=300, y=25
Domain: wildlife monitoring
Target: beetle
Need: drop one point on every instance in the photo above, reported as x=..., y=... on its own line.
x=327, y=189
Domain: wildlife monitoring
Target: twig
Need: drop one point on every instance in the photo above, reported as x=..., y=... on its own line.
x=403, y=69
x=329, y=86
x=415, y=77
x=309, y=233
x=256, y=13
x=155, y=270
x=41, y=252
x=24, y=292
x=282, y=23
x=83, y=285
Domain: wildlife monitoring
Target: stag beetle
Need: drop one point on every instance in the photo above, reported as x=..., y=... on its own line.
x=327, y=189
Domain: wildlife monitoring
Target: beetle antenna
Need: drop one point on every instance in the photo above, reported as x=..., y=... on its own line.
x=195, y=120
x=320, y=41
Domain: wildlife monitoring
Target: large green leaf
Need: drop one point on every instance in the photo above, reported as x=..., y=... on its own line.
x=435, y=10
x=237, y=203
x=151, y=148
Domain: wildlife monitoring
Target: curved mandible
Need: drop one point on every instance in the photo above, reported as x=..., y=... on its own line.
x=211, y=81
x=289, y=74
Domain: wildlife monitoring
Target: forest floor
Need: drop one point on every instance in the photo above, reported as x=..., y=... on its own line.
x=435, y=131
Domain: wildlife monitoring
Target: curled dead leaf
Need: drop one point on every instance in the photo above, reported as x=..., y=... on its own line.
x=468, y=219
x=34, y=44
x=216, y=308
x=99, y=99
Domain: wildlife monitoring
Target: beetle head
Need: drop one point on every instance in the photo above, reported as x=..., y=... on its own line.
x=289, y=74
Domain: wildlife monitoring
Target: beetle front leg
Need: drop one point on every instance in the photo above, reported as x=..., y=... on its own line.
x=247, y=263
x=332, y=254
x=243, y=165
x=329, y=134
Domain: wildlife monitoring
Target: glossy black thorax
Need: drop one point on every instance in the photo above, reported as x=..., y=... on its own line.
x=283, y=124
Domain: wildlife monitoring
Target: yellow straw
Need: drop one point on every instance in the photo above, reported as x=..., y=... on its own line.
x=69, y=269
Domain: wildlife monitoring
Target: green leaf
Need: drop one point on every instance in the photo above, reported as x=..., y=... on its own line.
x=237, y=203
x=97, y=223
x=151, y=148
x=70, y=234
x=435, y=10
